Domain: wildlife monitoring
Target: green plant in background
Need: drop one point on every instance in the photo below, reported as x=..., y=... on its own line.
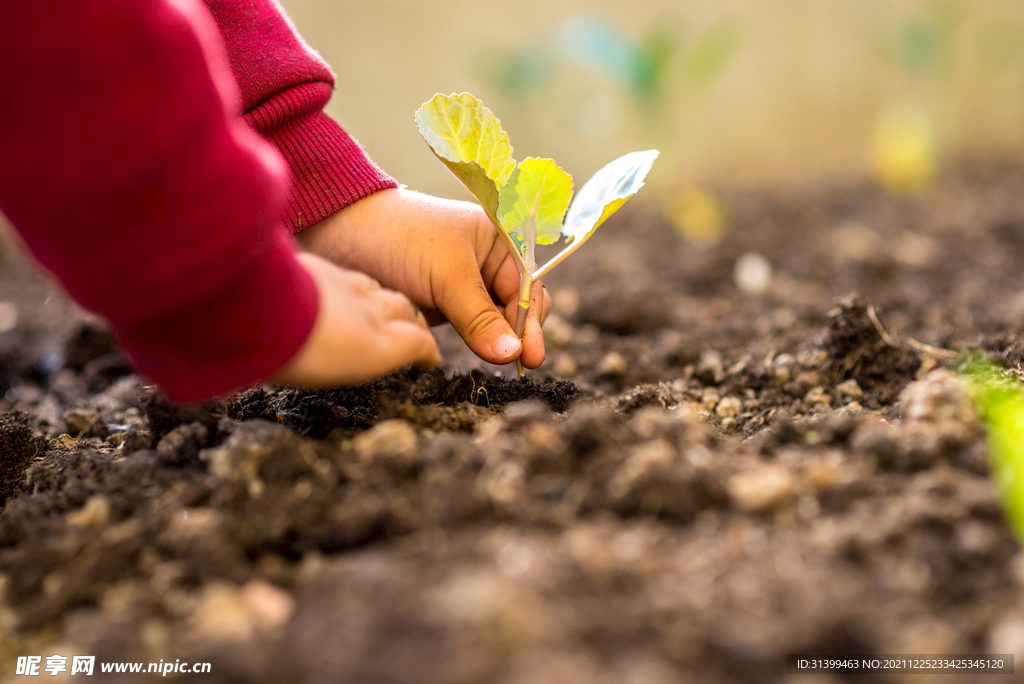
x=904, y=144
x=526, y=202
x=1001, y=400
x=647, y=69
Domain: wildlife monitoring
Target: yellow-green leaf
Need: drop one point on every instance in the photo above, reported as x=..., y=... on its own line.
x=468, y=138
x=534, y=201
x=1001, y=400
x=605, y=192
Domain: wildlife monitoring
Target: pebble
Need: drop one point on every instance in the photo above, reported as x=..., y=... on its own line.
x=544, y=436
x=1007, y=636
x=612, y=364
x=849, y=390
x=269, y=606
x=394, y=437
x=811, y=358
x=752, y=274
x=95, y=513
x=709, y=399
x=857, y=242
x=940, y=398
x=710, y=367
x=821, y=475
x=558, y=331
x=64, y=441
x=588, y=334
x=566, y=300
x=761, y=488
x=78, y=421
x=565, y=366
x=221, y=614
x=729, y=407
x=818, y=397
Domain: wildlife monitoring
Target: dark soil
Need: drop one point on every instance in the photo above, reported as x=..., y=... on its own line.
x=697, y=483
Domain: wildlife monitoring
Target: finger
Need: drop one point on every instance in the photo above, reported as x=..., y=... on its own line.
x=533, y=337
x=396, y=306
x=506, y=282
x=467, y=304
x=411, y=342
x=359, y=281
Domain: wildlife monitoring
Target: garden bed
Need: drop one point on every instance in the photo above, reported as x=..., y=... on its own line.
x=696, y=483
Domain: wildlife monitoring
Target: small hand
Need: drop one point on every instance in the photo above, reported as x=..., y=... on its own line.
x=363, y=331
x=446, y=256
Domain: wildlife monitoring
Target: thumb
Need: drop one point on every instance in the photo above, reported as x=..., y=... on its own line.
x=483, y=327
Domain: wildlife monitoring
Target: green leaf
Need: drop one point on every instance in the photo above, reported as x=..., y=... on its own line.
x=1002, y=402
x=468, y=138
x=534, y=201
x=605, y=192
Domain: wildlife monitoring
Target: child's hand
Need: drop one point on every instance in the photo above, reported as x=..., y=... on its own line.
x=446, y=257
x=363, y=331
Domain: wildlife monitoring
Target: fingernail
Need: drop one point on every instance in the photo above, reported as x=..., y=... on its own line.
x=505, y=346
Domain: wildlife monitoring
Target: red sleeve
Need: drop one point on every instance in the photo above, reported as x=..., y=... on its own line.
x=285, y=86
x=126, y=173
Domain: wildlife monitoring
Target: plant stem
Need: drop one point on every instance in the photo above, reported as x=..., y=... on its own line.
x=525, y=283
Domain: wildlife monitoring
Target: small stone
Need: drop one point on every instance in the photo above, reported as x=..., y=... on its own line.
x=558, y=331
x=1007, y=636
x=566, y=300
x=393, y=438
x=612, y=364
x=818, y=397
x=760, y=488
x=849, y=390
x=710, y=367
x=782, y=374
x=565, y=366
x=729, y=407
x=915, y=250
x=803, y=383
x=269, y=606
x=974, y=538
x=64, y=441
x=729, y=423
x=811, y=358
x=221, y=614
x=752, y=274
x=709, y=399
x=942, y=400
x=78, y=421
x=588, y=334
x=95, y=513
x=526, y=411
x=822, y=475
x=857, y=242
x=544, y=436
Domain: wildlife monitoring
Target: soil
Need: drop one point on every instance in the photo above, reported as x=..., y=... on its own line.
x=697, y=483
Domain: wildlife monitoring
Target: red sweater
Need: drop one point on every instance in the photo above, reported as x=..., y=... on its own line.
x=128, y=174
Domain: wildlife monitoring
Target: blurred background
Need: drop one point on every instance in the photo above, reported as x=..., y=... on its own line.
x=759, y=91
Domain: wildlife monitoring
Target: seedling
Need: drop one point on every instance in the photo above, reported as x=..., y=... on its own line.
x=1001, y=400
x=526, y=202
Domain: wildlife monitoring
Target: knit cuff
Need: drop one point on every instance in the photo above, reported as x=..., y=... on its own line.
x=329, y=168
x=233, y=337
